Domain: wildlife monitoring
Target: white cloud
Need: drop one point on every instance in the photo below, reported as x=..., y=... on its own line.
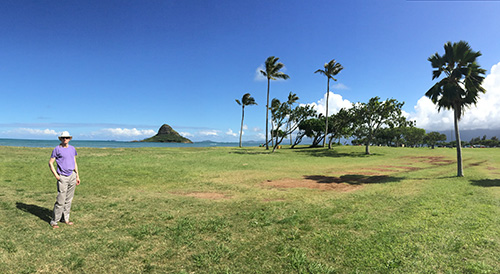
x=186, y=134
x=256, y=129
x=127, y=132
x=30, y=132
x=335, y=103
x=231, y=133
x=486, y=115
x=258, y=75
x=121, y=133
x=340, y=86
x=245, y=127
x=212, y=132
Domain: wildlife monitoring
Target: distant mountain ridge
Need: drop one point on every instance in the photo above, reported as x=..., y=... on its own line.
x=166, y=134
x=467, y=135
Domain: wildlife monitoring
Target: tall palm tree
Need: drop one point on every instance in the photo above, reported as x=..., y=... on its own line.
x=460, y=86
x=292, y=99
x=330, y=69
x=246, y=100
x=272, y=72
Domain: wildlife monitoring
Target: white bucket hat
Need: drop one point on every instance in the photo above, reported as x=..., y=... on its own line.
x=65, y=134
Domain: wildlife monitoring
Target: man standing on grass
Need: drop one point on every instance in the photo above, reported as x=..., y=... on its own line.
x=67, y=178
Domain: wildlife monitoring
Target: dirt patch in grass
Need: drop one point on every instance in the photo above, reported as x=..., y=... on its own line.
x=344, y=183
x=398, y=168
x=435, y=160
x=204, y=195
x=355, y=180
x=366, y=172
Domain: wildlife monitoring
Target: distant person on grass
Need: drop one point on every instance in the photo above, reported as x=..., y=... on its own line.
x=67, y=178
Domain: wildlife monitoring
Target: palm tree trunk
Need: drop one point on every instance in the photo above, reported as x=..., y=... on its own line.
x=327, y=97
x=460, y=170
x=242, y=117
x=267, y=114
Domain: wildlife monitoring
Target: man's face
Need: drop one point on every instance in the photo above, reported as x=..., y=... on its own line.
x=65, y=140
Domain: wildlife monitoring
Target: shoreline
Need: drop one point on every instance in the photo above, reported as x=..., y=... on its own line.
x=117, y=144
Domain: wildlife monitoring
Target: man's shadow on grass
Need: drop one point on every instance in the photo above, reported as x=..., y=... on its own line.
x=43, y=213
x=486, y=182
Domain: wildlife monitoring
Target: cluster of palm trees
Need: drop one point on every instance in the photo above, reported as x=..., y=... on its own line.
x=273, y=71
x=457, y=90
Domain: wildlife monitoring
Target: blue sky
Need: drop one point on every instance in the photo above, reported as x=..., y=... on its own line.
x=118, y=70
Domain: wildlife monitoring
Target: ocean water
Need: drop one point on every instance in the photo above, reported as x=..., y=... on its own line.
x=116, y=144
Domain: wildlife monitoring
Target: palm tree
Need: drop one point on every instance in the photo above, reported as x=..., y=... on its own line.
x=272, y=72
x=292, y=99
x=330, y=69
x=460, y=87
x=246, y=100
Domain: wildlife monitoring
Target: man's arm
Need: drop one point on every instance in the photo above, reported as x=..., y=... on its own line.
x=51, y=165
x=77, y=173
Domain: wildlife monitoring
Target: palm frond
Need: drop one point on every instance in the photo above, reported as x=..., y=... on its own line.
x=273, y=68
x=281, y=75
x=461, y=86
x=320, y=71
x=247, y=100
x=292, y=98
x=330, y=69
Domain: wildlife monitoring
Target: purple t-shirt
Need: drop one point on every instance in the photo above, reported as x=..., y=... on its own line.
x=65, y=159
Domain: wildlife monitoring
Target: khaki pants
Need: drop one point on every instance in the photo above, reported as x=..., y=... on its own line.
x=65, y=192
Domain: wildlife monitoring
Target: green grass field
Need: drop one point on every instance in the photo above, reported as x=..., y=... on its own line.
x=231, y=210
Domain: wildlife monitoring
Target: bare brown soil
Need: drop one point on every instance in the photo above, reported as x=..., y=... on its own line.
x=436, y=160
x=355, y=180
x=343, y=184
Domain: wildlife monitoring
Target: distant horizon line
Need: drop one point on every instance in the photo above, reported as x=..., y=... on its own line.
x=133, y=141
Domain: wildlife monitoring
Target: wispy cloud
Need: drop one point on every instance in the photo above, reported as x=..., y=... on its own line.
x=29, y=132
x=340, y=86
x=258, y=75
x=212, y=132
x=120, y=133
x=74, y=125
x=230, y=132
x=186, y=134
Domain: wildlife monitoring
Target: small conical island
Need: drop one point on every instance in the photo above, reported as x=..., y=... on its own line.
x=166, y=134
